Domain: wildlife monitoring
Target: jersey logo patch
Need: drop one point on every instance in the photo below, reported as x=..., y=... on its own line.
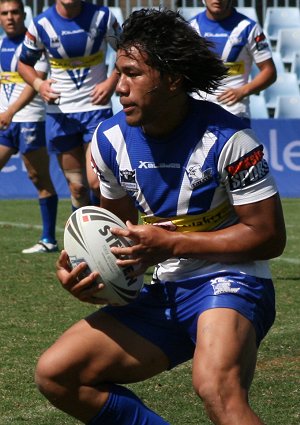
x=128, y=180
x=197, y=177
x=222, y=285
x=30, y=39
x=247, y=170
x=261, y=42
x=55, y=42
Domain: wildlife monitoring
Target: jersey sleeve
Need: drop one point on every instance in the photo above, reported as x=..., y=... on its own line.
x=244, y=171
x=32, y=47
x=42, y=64
x=109, y=185
x=259, y=46
x=113, y=30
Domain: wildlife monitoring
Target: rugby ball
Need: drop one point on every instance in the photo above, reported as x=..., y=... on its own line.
x=87, y=238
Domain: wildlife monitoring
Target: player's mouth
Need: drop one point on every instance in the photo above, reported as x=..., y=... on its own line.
x=128, y=108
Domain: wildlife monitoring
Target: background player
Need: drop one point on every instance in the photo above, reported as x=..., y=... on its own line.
x=22, y=128
x=212, y=219
x=240, y=42
x=74, y=35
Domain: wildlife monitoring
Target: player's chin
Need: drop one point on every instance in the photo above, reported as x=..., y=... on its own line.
x=133, y=120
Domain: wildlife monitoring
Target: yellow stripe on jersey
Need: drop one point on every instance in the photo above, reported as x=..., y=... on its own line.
x=193, y=223
x=11, y=78
x=78, y=62
x=235, y=68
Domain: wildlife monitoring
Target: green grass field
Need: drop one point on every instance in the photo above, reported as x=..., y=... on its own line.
x=35, y=310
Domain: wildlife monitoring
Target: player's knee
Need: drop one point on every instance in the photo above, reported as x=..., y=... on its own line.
x=48, y=377
x=78, y=186
x=219, y=392
x=34, y=177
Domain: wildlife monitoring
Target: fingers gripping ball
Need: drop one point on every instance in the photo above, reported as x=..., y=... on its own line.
x=87, y=237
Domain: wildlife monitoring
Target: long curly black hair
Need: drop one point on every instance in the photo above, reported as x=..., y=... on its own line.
x=173, y=47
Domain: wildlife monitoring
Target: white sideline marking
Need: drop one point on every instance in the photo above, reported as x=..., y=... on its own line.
x=288, y=260
x=59, y=229
x=26, y=226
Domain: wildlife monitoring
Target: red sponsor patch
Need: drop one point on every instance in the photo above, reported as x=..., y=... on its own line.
x=30, y=37
x=247, y=161
x=260, y=37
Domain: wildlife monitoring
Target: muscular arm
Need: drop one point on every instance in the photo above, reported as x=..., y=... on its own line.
x=123, y=208
x=259, y=235
x=44, y=87
x=267, y=75
x=24, y=99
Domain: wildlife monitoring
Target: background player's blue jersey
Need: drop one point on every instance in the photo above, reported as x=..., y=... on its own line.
x=12, y=84
x=76, y=50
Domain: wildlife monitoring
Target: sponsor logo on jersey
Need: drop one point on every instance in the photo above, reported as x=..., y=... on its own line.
x=30, y=39
x=234, y=40
x=128, y=180
x=55, y=42
x=203, y=222
x=148, y=164
x=27, y=130
x=223, y=285
x=64, y=32
x=261, y=42
x=218, y=34
x=247, y=170
x=235, y=68
x=11, y=78
x=197, y=177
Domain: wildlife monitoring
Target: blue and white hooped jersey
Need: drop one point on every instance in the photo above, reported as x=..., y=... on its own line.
x=240, y=42
x=12, y=84
x=188, y=181
x=75, y=49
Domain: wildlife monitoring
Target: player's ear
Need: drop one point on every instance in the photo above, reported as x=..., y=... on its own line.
x=175, y=82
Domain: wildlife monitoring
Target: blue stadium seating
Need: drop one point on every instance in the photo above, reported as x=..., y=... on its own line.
x=258, y=107
x=278, y=18
x=288, y=43
x=286, y=84
x=295, y=65
x=287, y=107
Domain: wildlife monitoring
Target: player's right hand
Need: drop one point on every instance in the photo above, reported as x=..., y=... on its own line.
x=48, y=93
x=76, y=281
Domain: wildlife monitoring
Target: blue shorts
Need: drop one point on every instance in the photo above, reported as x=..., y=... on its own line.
x=166, y=313
x=65, y=132
x=24, y=137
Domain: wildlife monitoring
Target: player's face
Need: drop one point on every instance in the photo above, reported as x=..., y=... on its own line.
x=12, y=18
x=143, y=92
x=68, y=2
x=218, y=9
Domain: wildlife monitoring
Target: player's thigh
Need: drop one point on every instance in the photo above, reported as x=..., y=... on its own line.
x=226, y=348
x=37, y=164
x=100, y=349
x=73, y=159
x=5, y=153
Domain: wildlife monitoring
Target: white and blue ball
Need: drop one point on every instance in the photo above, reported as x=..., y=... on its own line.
x=87, y=238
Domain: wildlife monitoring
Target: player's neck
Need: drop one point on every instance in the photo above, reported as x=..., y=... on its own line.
x=165, y=124
x=68, y=11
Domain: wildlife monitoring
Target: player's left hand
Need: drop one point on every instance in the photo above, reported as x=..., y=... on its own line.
x=152, y=245
x=231, y=96
x=102, y=93
x=5, y=119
